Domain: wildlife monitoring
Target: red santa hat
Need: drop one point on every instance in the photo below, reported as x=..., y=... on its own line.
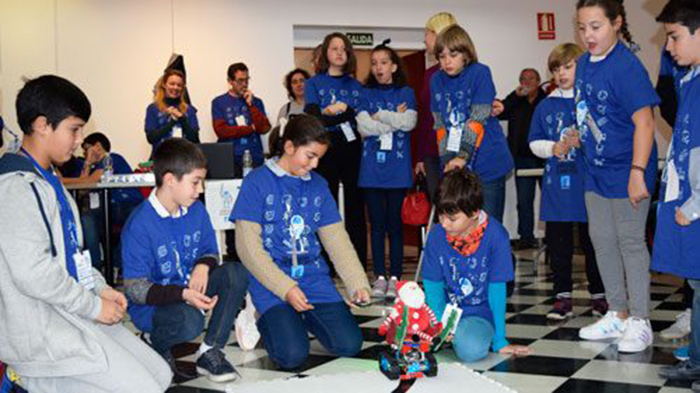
x=410, y=294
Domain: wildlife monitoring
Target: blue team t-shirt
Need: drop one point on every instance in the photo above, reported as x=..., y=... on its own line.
x=453, y=96
x=226, y=107
x=387, y=168
x=280, y=202
x=467, y=279
x=676, y=248
x=611, y=91
x=323, y=90
x=156, y=119
x=562, y=182
x=163, y=249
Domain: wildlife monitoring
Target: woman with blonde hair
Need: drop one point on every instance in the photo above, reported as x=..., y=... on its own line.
x=169, y=115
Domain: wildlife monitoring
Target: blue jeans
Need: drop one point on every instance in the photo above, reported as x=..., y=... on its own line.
x=472, y=339
x=179, y=322
x=695, y=324
x=384, y=206
x=285, y=332
x=495, y=197
x=525, y=188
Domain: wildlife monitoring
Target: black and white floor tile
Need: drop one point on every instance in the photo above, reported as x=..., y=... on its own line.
x=561, y=361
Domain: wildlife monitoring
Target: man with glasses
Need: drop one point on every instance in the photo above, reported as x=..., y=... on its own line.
x=517, y=109
x=239, y=117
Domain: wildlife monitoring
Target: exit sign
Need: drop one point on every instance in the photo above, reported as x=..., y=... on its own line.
x=361, y=39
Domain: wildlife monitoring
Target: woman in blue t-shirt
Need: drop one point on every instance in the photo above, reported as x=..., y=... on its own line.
x=334, y=96
x=467, y=263
x=462, y=95
x=385, y=169
x=614, y=115
x=170, y=115
x=284, y=212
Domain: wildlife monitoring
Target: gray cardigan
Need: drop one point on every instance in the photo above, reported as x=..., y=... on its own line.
x=47, y=326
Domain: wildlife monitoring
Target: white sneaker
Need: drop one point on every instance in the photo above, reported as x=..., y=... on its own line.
x=379, y=287
x=247, y=334
x=638, y=336
x=391, y=288
x=680, y=328
x=610, y=326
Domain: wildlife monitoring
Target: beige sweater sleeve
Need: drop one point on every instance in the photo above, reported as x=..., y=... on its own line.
x=258, y=261
x=343, y=255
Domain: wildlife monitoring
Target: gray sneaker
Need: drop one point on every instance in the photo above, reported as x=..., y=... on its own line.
x=391, y=288
x=379, y=287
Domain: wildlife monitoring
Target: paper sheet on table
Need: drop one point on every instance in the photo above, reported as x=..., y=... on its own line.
x=219, y=198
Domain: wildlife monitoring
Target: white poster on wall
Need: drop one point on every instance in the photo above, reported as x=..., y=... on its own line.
x=219, y=198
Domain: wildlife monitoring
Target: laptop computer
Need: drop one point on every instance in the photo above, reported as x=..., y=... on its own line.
x=220, y=163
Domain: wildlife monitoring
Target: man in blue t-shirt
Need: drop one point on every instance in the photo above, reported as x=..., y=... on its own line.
x=172, y=272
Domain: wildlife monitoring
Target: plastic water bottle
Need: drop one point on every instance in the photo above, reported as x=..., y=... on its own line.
x=107, y=170
x=247, y=163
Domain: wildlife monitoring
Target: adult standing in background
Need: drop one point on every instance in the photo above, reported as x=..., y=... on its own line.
x=239, y=117
x=169, y=115
x=517, y=109
x=294, y=82
x=427, y=160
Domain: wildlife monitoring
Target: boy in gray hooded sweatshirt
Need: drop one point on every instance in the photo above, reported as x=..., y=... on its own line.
x=59, y=321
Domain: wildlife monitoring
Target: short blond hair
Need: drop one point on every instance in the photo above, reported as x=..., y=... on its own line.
x=562, y=55
x=456, y=39
x=440, y=21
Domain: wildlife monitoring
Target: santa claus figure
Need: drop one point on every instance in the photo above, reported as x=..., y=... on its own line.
x=410, y=316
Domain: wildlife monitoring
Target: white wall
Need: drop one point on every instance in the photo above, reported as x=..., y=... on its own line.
x=116, y=49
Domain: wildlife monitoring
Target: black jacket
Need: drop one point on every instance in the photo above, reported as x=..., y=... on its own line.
x=518, y=113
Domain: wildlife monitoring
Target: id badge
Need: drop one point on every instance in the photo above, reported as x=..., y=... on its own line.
x=454, y=140
x=241, y=121
x=381, y=157
x=347, y=131
x=565, y=182
x=94, y=200
x=177, y=131
x=385, y=141
x=83, y=265
x=297, y=271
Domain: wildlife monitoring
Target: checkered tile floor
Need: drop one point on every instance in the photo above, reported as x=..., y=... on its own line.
x=560, y=363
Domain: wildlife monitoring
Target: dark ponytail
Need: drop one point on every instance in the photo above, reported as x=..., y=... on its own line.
x=300, y=130
x=613, y=9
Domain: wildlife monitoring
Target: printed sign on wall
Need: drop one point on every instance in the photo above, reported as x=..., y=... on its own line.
x=546, y=29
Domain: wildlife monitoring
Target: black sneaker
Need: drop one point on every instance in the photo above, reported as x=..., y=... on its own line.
x=180, y=374
x=214, y=365
x=563, y=308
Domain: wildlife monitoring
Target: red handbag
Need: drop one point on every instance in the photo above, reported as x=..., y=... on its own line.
x=416, y=208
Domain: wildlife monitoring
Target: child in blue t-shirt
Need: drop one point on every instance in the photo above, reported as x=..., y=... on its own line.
x=614, y=116
x=676, y=247
x=467, y=263
x=553, y=137
x=335, y=97
x=98, y=151
x=170, y=115
x=462, y=95
x=283, y=214
x=238, y=116
x=385, y=169
x=172, y=272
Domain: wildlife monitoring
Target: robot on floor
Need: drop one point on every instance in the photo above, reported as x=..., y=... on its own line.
x=413, y=334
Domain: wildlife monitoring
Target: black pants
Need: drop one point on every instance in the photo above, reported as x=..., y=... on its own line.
x=560, y=245
x=342, y=163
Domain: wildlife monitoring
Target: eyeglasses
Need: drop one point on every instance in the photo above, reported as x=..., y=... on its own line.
x=242, y=80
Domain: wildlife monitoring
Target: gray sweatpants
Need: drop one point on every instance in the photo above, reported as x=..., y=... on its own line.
x=617, y=233
x=133, y=367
